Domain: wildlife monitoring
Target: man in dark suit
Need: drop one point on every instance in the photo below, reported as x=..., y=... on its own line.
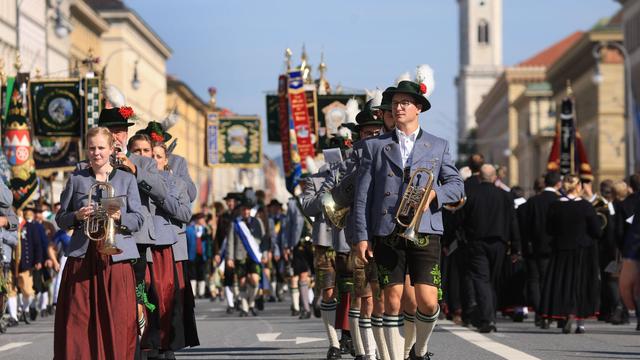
x=536, y=242
x=490, y=224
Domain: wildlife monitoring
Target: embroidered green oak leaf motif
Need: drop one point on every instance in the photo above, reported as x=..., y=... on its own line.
x=437, y=279
x=383, y=275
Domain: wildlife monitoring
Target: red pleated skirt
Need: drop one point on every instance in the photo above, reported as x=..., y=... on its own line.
x=96, y=309
x=164, y=280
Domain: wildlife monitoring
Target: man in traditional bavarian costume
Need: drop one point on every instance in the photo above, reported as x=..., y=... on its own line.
x=385, y=169
x=364, y=275
x=243, y=251
x=325, y=256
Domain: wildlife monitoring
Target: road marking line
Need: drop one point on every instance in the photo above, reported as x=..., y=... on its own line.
x=487, y=343
x=13, y=345
x=273, y=337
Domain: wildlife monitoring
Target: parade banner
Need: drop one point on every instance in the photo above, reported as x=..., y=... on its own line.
x=332, y=113
x=273, y=118
x=51, y=154
x=299, y=116
x=568, y=154
x=17, y=144
x=56, y=108
x=239, y=141
x=92, y=101
x=273, y=114
x=567, y=137
x=312, y=110
x=292, y=169
x=212, y=139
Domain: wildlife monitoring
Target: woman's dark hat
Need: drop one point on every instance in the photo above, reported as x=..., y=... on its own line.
x=275, y=202
x=155, y=131
x=387, y=96
x=116, y=117
x=413, y=89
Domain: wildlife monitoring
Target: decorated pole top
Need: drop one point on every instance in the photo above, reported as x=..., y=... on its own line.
x=287, y=56
x=18, y=64
x=212, y=96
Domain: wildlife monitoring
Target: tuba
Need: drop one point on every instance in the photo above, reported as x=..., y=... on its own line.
x=335, y=214
x=336, y=203
x=414, y=203
x=100, y=226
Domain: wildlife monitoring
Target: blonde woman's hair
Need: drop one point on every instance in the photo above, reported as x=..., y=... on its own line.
x=166, y=153
x=570, y=183
x=93, y=132
x=620, y=190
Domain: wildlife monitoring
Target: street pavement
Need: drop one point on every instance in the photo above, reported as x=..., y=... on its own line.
x=274, y=334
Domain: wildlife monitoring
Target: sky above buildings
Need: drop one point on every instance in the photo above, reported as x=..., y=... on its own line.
x=238, y=46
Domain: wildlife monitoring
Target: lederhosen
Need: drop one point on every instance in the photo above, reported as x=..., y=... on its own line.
x=396, y=256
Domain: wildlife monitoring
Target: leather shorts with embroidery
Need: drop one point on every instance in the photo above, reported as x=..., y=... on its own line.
x=324, y=263
x=363, y=275
x=246, y=266
x=395, y=257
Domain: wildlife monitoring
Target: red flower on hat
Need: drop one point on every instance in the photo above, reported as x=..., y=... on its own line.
x=126, y=112
x=156, y=137
x=423, y=88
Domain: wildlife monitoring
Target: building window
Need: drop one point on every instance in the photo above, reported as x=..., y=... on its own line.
x=483, y=32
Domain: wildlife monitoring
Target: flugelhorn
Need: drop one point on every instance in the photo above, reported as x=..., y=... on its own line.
x=100, y=226
x=414, y=203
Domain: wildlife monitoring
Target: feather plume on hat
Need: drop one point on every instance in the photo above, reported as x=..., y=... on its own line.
x=114, y=96
x=375, y=96
x=345, y=133
x=352, y=110
x=311, y=165
x=171, y=119
x=424, y=75
x=404, y=76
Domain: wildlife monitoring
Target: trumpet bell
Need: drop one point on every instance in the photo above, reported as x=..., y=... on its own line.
x=106, y=248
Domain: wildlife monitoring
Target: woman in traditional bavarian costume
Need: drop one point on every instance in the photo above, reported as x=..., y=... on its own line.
x=96, y=310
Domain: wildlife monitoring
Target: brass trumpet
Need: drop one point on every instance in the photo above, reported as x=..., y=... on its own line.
x=100, y=226
x=414, y=203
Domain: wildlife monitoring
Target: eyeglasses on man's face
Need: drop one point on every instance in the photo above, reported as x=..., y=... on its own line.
x=403, y=104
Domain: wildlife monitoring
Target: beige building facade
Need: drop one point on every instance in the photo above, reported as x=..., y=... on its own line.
x=631, y=26
x=29, y=26
x=516, y=120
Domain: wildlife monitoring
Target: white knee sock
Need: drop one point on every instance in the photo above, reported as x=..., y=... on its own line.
x=354, y=317
x=328, y=311
x=378, y=334
x=26, y=303
x=13, y=307
x=201, y=285
x=252, y=293
x=44, y=301
x=424, y=329
x=228, y=294
x=409, y=333
x=193, y=287
x=295, y=298
x=368, y=341
x=244, y=294
x=395, y=344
